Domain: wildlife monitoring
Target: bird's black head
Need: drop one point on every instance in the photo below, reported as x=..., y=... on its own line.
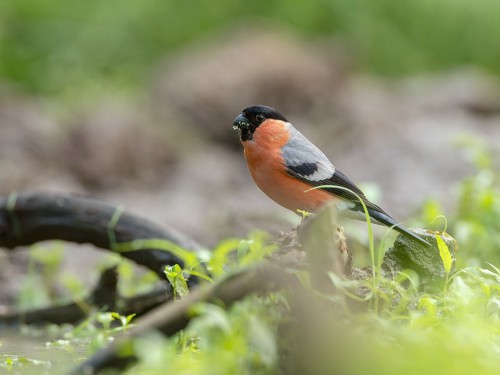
x=252, y=117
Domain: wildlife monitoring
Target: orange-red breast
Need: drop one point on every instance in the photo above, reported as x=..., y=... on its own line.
x=286, y=165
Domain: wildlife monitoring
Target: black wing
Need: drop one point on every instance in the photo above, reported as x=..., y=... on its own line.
x=337, y=179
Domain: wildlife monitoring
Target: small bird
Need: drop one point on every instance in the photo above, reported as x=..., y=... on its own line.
x=285, y=165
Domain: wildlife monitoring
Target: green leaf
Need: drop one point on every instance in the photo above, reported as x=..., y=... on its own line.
x=220, y=256
x=201, y=275
x=243, y=249
x=129, y=318
x=444, y=253
x=188, y=257
x=177, y=280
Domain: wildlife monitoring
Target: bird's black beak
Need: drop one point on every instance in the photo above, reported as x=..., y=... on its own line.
x=241, y=122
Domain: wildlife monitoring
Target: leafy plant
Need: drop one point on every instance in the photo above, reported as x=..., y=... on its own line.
x=378, y=325
x=476, y=222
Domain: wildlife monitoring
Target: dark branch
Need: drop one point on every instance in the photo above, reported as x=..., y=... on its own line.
x=104, y=297
x=30, y=218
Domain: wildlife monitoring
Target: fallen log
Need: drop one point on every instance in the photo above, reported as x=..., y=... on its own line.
x=103, y=297
x=29, y=218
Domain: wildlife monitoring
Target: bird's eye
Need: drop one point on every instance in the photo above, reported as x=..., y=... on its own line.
x=260, y=118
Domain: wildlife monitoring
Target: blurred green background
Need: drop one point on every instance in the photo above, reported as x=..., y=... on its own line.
x=56, y=47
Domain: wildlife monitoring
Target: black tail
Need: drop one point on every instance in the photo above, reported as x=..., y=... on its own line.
x=383, y=218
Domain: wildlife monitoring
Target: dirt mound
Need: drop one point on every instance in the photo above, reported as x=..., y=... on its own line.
x=209, y=85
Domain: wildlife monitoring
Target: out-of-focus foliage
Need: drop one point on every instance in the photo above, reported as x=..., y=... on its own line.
x=403, y=331
x=476, y=222
x=56, y=46
x=399, y=329
x=241, y=340
x=51, y=45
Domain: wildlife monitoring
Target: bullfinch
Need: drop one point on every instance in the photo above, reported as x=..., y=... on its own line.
x=285, y=165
